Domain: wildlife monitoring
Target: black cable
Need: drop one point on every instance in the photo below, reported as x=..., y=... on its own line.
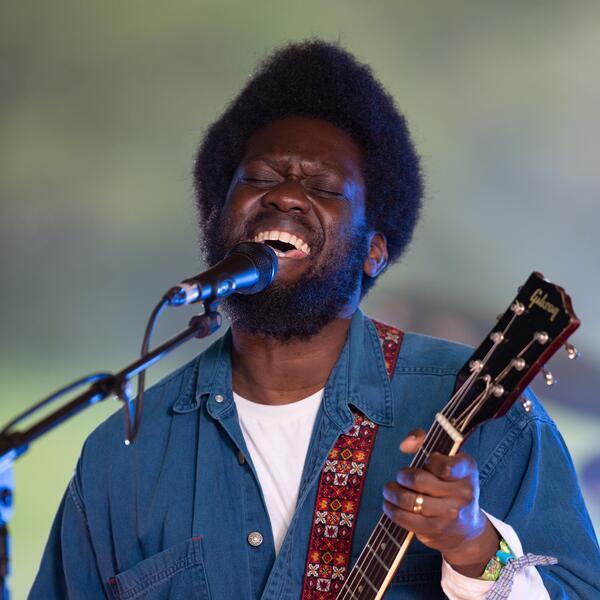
x=139, y=402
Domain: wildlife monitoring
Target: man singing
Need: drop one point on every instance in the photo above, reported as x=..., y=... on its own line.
x=262, y=466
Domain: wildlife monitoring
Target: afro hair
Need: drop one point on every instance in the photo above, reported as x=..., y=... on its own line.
x=320, y=80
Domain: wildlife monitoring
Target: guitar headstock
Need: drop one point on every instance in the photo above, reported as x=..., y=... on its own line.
x=538, y=322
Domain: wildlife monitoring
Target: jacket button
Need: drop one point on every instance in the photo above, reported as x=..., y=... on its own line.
x=241, y=457
x=219, y=398
x=255, y=538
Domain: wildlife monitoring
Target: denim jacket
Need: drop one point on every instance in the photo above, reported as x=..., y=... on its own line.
x=172, y=515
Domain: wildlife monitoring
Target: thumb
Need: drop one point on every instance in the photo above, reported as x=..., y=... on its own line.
x=413, y=441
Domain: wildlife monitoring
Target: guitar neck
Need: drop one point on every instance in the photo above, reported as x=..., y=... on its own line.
x=388, y=543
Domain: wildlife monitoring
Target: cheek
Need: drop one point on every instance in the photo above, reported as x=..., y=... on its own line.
x=347, y=218
x=355, y=190
x=348, y=215
x=233, y=202
x=235, y=212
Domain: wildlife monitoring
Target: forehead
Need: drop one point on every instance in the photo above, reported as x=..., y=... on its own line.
x=307, y=139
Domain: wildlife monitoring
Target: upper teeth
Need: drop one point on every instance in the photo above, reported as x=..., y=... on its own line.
x=283, y=236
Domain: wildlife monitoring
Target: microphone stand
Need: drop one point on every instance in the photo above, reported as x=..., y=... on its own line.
x=15, y=444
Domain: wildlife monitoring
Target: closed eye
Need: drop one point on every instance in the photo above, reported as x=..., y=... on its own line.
x=324, y=192
x=258, y=181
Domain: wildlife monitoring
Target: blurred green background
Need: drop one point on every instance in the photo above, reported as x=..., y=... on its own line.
x=102, y=105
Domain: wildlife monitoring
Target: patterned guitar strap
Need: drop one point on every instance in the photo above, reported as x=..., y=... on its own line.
x=340, y=490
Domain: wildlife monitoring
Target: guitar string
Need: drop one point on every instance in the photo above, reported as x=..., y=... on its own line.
x=384, y=527
x=388, y=554
x=499, y=378
x=379, y=535
x=454, y=403
x=458, y=397
x=381, y=530
x=373, y=543
x=480, y=398
x=465, y=388
x=422, y=454
x=375, y=573
x=377, y=538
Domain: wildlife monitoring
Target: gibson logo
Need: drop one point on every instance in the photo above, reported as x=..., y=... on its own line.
x=540, y=299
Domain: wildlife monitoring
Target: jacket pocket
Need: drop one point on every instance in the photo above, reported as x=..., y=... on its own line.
x=176, y=573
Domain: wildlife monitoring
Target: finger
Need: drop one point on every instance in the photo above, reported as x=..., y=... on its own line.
x=424, y=482
x=413, y=441
x=410, y=521
x=430, y=506
x=451, y=468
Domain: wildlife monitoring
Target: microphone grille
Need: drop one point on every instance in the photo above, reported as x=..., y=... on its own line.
x=264, y=259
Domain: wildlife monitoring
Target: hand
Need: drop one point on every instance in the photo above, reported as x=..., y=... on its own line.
x=450, y=519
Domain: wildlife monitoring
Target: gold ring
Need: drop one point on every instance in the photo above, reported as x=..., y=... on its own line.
x=418, y=505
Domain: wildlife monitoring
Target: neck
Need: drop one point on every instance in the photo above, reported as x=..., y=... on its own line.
x=268, y=371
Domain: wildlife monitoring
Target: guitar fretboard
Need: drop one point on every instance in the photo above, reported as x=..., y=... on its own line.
x=388, y=542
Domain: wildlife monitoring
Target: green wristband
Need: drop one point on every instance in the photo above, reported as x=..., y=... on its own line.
x=503, y=555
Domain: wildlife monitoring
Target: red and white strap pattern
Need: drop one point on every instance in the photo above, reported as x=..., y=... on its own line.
x=340, y=490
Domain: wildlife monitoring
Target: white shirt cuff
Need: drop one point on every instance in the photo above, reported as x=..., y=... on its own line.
x=527, y=583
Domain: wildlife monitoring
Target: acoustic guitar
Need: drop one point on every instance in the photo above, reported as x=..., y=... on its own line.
x=538, y=321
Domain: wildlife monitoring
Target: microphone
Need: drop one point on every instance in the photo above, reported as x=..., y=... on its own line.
x=248, y=268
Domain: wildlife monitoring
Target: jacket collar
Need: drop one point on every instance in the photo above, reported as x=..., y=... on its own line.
x=359, y=378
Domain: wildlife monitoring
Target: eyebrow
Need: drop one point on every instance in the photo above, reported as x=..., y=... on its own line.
x=308, y=164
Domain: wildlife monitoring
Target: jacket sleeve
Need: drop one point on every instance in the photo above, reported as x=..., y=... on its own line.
x=68, y=567
x=530, y=483
x=526, y=583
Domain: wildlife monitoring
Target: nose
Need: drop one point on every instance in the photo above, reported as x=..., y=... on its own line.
x=289, y=196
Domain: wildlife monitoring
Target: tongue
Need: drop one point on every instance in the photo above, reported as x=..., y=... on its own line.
x=295, y=254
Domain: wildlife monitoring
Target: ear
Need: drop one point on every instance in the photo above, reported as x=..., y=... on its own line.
x=377, y=258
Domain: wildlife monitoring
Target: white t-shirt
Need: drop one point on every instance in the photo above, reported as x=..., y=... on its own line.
x=277, y=438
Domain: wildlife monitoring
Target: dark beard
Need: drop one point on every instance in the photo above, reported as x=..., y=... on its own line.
x=299, y=310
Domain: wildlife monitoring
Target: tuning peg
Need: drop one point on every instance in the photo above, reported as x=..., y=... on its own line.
x=518, y=363
x=498, y=390
x=549, y=378
x=541, y=336
x=497, y=337
x=572, y=352
x=475, y=366
x=517, y=307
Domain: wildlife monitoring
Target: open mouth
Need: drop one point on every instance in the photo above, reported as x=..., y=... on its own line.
x=285, y=244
